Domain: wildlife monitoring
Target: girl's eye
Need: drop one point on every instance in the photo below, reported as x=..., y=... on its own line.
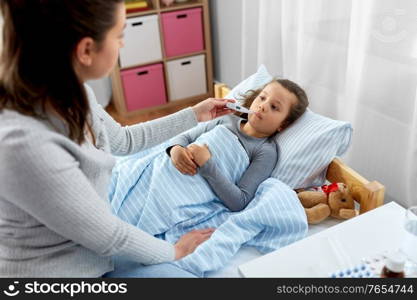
x=262, y=98
x=274, y=107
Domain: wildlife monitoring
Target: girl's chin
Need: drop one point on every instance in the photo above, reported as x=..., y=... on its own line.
x=254, y=123
x=254, y=119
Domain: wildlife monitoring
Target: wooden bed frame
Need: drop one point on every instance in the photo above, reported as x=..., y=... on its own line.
x=368, y=194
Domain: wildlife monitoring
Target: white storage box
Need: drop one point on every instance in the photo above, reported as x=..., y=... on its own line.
x=142, y=42
x=187, y=77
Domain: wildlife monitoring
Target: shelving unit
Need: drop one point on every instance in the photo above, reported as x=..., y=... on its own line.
x=157, y=8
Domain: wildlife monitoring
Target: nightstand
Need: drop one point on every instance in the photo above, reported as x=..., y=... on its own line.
x=339, y=247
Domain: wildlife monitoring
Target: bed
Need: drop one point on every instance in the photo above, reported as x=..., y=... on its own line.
x=149, y=193
x=367, y=194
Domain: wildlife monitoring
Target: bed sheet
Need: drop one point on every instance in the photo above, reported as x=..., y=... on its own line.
x=246, y=254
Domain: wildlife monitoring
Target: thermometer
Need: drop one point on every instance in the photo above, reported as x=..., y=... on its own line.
x=236, y=106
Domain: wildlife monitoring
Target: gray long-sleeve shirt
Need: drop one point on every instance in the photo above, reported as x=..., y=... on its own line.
x=262, y=153
x=55, y=218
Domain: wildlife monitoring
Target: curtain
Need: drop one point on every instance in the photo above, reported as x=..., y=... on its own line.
x=357, y=60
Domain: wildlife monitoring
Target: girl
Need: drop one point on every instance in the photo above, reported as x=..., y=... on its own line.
x=56, y=144
x=276, y=106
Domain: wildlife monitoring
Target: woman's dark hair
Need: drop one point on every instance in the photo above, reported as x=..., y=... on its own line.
x=296, y=110
x=39, y=42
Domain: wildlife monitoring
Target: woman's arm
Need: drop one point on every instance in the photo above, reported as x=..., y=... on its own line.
x=131, y=139
x=192, y=135
x=125, y=140
x=237, y=196
x=44, y=180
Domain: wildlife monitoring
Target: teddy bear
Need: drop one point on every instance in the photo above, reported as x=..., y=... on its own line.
x=329, y=200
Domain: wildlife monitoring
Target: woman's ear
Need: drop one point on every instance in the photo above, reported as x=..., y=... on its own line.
x=84, y=51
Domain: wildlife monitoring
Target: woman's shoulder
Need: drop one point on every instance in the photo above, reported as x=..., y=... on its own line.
x=26, y=138
x=9, y=117
x=15, y=126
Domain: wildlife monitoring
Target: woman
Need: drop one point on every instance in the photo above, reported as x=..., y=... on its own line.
x=56, y=144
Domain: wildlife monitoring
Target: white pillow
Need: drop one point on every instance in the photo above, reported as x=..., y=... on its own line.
x=308, y=146
x=253, y=82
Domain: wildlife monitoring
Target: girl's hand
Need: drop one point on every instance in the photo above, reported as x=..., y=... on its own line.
x=191, y=240
x=182, y=159
x=211, y=108
x=201, y=154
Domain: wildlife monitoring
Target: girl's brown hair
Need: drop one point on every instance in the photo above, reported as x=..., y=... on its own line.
x=296, y=109
x=39, y=42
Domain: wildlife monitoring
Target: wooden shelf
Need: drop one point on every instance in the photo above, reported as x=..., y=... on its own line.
x=177, y=6
x=118, y=104
x=185, y=56
x=143, y=64
x=148, y=114
x=153, y=9
x=168, y=105
x=141, y=13
x=165, y=59
x=172, y=7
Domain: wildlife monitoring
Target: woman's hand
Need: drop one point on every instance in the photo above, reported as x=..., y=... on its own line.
x=211, y=108
x=191, y=240
x=201, y=154
x=182, y=159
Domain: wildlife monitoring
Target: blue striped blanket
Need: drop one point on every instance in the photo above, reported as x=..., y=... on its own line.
x=149, y=192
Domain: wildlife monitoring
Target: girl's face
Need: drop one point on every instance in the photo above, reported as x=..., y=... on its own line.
x=98, y=62
x=271, y=108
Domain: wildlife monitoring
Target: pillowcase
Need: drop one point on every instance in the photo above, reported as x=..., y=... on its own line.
x=253, y=82
x=308, y=146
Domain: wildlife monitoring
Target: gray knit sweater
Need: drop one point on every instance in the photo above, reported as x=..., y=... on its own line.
x=55, y=218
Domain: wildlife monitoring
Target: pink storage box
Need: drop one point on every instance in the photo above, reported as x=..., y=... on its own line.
x=183, y=32
x=144, y=87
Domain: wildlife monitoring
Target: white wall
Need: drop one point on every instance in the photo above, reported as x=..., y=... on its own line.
x=102, y=89
x=235, y=36
x=226, y=23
